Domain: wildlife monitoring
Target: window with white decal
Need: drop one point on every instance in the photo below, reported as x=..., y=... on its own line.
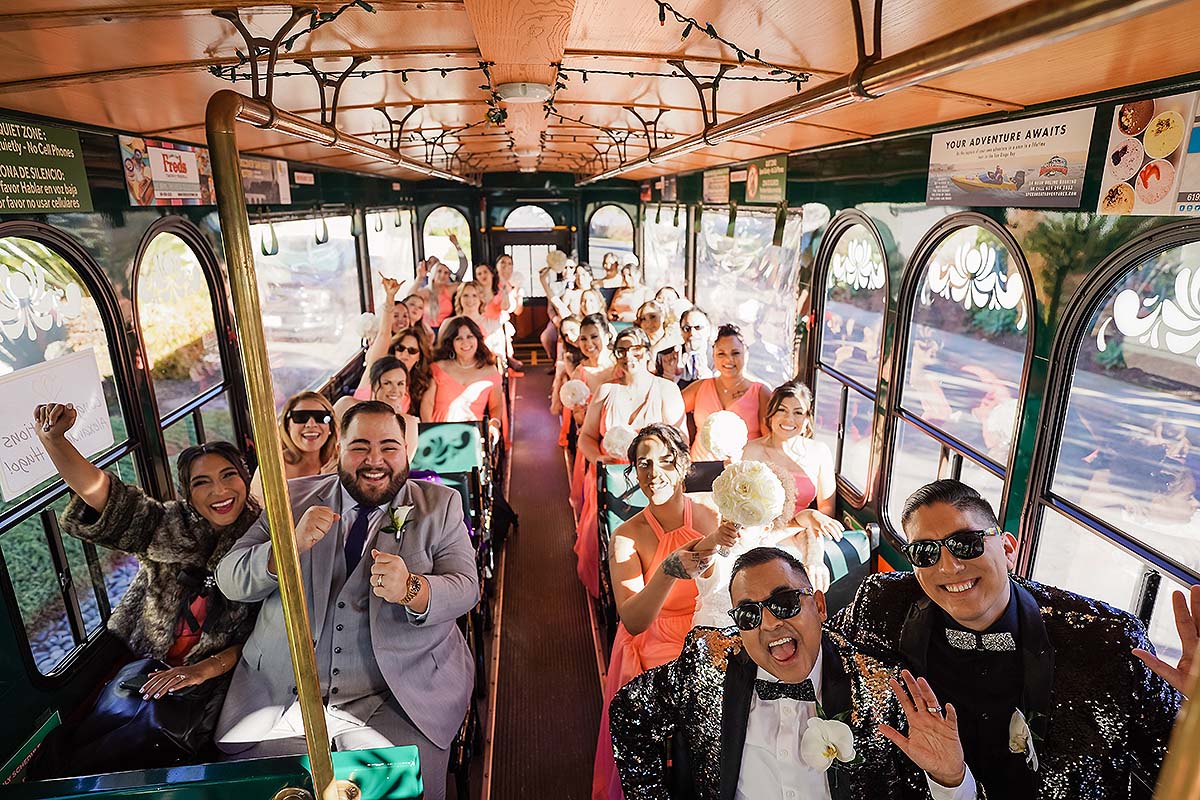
x=847, y=368
x=967, y=344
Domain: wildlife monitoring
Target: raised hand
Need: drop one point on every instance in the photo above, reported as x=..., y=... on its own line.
x=391, y=288
x=818, y=576
x=1187, y=622
x=932, y=742
x=723, y=538
x=313, y=525
x=686, y=563
x=53, y=420
x=453, y=239
x=389, y=576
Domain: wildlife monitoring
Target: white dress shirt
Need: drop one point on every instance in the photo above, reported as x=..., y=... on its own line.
x=771, y=765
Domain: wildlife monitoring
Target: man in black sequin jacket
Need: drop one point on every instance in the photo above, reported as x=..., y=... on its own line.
x=994, y=644
x=734, y=709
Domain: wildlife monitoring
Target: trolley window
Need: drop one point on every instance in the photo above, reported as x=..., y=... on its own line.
x=390, y=247
x=664, y=247
x=746, y=280
x=64, y=588
x=847, y=369
x=309, y=300
x=1123, y=509
x=967, y=344
x=441, y=223
x=610, y=230
x=529, y=218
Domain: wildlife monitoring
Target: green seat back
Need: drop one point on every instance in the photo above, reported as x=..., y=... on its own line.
x=620, y=498
x=842, y=557
x=446, y=447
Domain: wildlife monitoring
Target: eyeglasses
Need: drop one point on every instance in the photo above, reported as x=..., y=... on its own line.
x=412, y=351
x=305, y=417
x=784, y=605
x=637, y=351
x=964, y=545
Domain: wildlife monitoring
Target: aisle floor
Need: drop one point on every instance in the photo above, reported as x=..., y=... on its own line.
x=548, y=694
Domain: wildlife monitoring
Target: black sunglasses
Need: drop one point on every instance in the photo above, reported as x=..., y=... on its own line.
x=412, y=351
x=784, y=605
x=964, y=545
x=305, y=417
x=692, y=327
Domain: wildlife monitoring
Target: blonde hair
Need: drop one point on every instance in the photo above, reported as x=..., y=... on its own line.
x=458, y=295
x=291, y=451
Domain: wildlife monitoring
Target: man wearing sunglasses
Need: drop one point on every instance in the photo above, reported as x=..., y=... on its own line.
x=1051, y=701
x=736, y=706
x=696, y=357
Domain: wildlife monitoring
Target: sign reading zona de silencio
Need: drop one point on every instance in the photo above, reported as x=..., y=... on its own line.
x=1030, y=163
x=41, y=169
x=766, y=180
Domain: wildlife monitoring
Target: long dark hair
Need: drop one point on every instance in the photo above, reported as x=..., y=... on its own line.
x=672, y=439
x=420, y=376
x=384, y=365
x=229, y=452
x=449, y=330
x=801, y=394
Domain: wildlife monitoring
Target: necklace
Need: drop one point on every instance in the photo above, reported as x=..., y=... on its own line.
x=738, y=390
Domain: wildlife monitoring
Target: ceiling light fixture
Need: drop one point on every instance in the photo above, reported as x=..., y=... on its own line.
x=523, y=92
x=528, y=152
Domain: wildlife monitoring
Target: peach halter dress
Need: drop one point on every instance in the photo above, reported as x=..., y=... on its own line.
x=660, y=643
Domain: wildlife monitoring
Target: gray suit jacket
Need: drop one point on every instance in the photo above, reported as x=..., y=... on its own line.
x=426, y=662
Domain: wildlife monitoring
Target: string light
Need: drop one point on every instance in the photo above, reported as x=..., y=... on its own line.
x=231, y=73
x=676, y=74
x=743, y=55
x=320, y=18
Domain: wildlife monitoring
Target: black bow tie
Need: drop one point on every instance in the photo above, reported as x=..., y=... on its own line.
x=1002, y=642
x=774, y=690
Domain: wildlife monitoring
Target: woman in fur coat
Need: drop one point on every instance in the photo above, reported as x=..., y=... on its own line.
x=172, y=611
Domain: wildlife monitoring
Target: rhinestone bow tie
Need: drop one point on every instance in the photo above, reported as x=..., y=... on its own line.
x=1002, y=642
x=774, y=690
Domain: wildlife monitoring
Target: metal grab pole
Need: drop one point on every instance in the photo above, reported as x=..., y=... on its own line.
x=220, y=121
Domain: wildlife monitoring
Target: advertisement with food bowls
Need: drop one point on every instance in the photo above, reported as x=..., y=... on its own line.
x=1147, y=156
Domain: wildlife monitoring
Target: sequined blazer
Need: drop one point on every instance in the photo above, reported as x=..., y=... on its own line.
x=697, y=708
x=1099, y=716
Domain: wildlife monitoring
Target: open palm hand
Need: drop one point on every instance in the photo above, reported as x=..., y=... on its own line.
x=932, y=742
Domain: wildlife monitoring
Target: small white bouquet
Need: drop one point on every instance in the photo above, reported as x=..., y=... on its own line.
x=724, y=435
x=365, y=326
x=749, y=494
x=556, y=260
x=574, y=393
x=617, y=440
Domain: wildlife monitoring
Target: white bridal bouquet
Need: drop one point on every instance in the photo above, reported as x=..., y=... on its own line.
x=724, y=435
x=617, y=440
x=366, y=325
x=574, y=393
x=749, y=493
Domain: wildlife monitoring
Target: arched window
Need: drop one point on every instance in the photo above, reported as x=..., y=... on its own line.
x=307, y=279
x=610, y=230
x=439, y=226
x=179, y=333
x=55, y=347
x=847, y=365
x=962, y=377
x=390, y=246
x=529, y=218
x=1120, y=514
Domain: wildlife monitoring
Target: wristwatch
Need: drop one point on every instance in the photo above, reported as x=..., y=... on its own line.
x=414, y=588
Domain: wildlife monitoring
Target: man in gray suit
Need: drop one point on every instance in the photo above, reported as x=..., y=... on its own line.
x=388, y=568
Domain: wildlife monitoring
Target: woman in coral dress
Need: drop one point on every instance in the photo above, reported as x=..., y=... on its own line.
x=731, y=390
x=595, y=345
x=634, y=399
x=654, y=559
x=466, y=386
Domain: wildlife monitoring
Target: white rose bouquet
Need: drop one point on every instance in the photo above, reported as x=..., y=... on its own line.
x=617, y=440
x=365, y=326
x=724, y=435
x=574, y=393
x=750, y=494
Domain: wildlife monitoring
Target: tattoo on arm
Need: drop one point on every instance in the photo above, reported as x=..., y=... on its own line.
x=673, y=566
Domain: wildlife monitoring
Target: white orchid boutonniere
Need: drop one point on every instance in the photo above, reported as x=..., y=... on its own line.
x=1020, y=739
x=398, y=519
x=826, y=741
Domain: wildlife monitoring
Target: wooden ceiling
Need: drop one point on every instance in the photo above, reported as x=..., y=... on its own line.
x=144, y=66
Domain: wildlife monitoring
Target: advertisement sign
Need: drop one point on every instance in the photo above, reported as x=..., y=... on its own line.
x=670, y=189
x=71, y=379
x=41, y=169
x=647, y=193
x=265, y=181
x=716, y=186
x=766, y=180
x=1031, y=163
x=304, y=178
x=1150, y=167
x=161, y=173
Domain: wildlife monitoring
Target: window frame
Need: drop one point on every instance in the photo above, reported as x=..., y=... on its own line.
x=420, y=220
x=1064, y=357
x=514, y=209
x=685, y=222
x=839, y=226
x=122, y=358
x=953, y=450
x=634, y=216
x=364, y=247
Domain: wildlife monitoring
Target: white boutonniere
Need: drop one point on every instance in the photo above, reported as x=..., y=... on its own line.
x=1020, y=739
x=397, y=520
x=826, y=741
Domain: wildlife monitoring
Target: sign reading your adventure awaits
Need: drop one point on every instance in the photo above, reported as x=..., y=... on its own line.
x=73, y=379
x=1030, y=163
x=766, y=180
x=41, y=169
x=716, y=186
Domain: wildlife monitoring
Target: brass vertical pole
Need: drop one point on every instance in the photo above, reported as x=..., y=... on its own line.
x=220, y=121
x=1180, y=776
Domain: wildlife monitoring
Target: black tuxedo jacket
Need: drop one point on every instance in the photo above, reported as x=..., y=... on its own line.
x=1097, y=713
x=697, y=708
